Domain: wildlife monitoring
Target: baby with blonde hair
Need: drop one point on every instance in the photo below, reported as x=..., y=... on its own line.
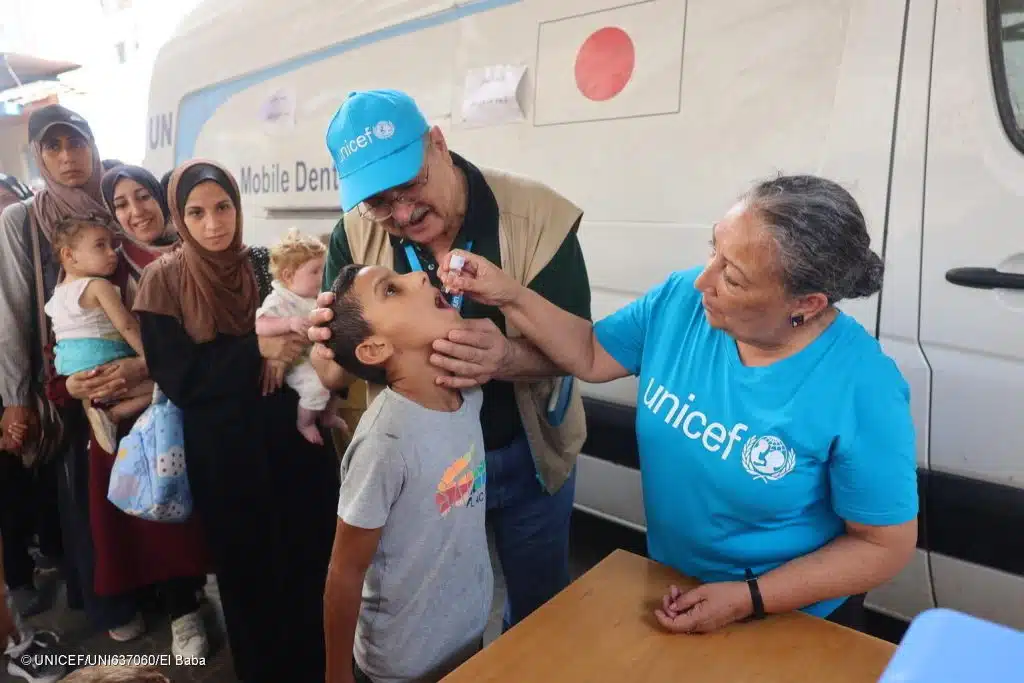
x=297, y=264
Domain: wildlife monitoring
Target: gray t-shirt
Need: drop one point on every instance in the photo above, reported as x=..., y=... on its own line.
x=420, y=474
x=19, y=337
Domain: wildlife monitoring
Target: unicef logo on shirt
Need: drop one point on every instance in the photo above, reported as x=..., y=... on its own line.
x=767, y=458
x=384, y=130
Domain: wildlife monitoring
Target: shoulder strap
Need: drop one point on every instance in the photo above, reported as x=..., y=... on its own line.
x=37, y=260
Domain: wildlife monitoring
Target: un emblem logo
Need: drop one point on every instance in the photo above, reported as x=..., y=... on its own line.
x=384, y=130
x=767, y=458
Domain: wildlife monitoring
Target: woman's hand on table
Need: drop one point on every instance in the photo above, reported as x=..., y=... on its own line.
x=285, y=348
x=705, y=608
x=479, y=279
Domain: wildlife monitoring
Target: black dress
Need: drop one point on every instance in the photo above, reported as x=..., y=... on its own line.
x=267, y=498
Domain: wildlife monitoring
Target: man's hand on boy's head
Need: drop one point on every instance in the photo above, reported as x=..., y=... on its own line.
x=319, y=331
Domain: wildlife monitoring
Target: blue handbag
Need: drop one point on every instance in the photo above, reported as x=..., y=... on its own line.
x=148, y=477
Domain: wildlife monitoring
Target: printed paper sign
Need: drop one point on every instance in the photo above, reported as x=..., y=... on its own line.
x=490, y=97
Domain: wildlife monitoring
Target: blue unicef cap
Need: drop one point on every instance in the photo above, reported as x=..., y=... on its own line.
x=375, y=138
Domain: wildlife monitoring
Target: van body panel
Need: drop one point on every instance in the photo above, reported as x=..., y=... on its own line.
x=973, y=339
x=892, y=98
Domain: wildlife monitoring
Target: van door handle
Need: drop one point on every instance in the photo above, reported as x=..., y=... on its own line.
x=985, y=278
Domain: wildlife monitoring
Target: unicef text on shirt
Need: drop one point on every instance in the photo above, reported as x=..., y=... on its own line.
x=692, y=423
x=765, y=457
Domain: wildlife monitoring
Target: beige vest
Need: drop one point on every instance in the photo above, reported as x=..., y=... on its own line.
x=533, y=221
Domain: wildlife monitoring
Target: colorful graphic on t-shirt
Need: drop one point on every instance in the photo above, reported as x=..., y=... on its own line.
x=461, y=486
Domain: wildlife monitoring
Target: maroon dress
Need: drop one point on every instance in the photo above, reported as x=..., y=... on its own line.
x=130, y=552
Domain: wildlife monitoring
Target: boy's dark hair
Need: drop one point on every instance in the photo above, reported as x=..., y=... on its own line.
x=349, y=328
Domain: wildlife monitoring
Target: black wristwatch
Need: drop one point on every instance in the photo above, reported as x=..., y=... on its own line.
x=755, y=595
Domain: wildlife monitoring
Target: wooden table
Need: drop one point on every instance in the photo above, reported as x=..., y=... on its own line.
x=602, y=628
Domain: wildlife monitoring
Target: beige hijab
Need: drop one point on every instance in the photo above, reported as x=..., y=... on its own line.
x=209, y=293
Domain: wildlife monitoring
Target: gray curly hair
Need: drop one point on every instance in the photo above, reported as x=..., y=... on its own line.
x=821, y=236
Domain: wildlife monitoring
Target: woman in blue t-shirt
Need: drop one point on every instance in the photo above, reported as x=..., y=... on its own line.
x=776, y=444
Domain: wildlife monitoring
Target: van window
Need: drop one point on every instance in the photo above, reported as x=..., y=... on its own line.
x=1006, y=51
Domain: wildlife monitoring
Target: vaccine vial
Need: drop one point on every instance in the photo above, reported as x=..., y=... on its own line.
x=456, y=263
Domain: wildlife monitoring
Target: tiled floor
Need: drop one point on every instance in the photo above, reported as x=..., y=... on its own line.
x=78, y=638
x=591, y=542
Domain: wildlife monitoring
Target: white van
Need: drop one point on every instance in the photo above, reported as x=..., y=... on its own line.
x=653, y=116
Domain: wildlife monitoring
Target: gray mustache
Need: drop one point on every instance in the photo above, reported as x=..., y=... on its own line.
x=416, y=216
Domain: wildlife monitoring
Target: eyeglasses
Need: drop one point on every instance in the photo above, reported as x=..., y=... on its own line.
x=379, y=208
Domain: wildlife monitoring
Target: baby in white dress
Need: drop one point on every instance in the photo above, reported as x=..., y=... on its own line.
x=297, y=264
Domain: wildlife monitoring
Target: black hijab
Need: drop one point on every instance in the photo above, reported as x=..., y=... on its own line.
x=140, y=175
x=165, y=180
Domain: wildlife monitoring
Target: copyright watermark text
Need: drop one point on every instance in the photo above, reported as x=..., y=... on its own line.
x=76, y=661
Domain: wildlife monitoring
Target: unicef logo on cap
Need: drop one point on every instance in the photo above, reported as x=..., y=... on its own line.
x=384, y=130
x=767, y=458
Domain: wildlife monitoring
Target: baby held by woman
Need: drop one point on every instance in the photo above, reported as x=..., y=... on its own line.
x=297, y=264
x=91, y=324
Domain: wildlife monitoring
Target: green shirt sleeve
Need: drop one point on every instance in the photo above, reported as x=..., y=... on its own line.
x=563, y=281
x=339, y=254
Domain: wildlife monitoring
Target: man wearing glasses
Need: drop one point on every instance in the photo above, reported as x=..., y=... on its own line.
x=408, y=202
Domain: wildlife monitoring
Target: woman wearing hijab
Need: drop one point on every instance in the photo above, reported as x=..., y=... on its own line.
x=131, y=553
x=139, y=205
x=69, y=162
x=266, y=496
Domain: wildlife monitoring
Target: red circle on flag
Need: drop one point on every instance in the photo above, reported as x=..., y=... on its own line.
x=604, y=63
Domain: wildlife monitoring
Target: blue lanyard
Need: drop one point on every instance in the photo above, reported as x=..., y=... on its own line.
x=558, y=403
x=414, y=263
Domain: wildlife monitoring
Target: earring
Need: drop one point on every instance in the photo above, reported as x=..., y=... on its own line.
x=797, y=320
